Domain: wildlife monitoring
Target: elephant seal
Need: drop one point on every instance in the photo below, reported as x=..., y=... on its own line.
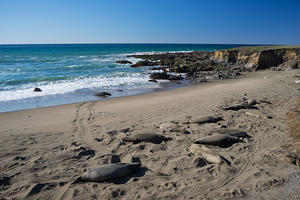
x=146, y=137
x=232, y=132
x=240, y=106
x=207, y=119
x=110, y=172
x=205, y=153
x=220, y=140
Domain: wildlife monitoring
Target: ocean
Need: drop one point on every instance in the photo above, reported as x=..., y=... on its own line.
x=69, y=73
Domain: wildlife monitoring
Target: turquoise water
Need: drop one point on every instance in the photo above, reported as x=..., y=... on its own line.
x=69, y=73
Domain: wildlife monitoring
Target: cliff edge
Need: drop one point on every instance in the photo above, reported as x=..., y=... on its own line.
x=262, y=57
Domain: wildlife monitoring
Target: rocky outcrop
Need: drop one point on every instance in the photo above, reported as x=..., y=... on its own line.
x=261, y=57
x=123, y=62
x=144, y=63
x=165, y=76
x=221, y=64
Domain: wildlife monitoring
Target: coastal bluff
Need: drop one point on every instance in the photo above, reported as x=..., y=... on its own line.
x=222, y=64
x=262, y=56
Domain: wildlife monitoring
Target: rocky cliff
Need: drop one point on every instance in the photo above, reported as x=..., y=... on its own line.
x=261, y=57
x=222, y=64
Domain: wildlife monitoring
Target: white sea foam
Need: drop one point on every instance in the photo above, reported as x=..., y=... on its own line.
x=118, y=81
x=160, y=52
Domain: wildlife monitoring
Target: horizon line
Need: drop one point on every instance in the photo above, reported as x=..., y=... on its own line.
x=183, y=43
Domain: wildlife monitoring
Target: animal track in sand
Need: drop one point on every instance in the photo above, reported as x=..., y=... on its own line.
x=82, y=124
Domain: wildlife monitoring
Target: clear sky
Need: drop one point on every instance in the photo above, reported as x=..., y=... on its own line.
x=150, y=21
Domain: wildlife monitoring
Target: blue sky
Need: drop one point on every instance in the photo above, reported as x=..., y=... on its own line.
x=150, y=21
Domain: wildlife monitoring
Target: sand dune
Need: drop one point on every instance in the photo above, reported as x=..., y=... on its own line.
x=43, y=151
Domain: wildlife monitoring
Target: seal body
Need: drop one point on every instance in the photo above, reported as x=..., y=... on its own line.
x=221, y=140
x=232, y=132
x=207, y=119
x=145, y=137
x=110, y=172
x=240, y=106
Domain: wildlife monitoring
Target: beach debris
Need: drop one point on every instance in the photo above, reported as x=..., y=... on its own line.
x=297, y=81
x=109, y=172
x=204, y=120
x=37, y=90
x=146, y=137
x=265, y=101
x=123, y=62
x=102, y=94
x=220, y=140
x=257, y=115
x=240, y=106
x=205, y=153
x=232, y=132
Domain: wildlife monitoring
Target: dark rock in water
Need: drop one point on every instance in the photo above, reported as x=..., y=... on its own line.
x=120, y=90
x=146, y=137
x=174, y=78
x=37, y=90
x=207, y=119
x=232, y=132
x=153, y=80
x=240, y=106
x=102, y=94
x=144, y=63
x=123, y=62
x=159, y=68
x=165, y=76
x=221, y=140
x=159, y=75
x=110, y=172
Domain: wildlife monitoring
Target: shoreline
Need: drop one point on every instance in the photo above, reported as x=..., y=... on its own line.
x=165, y=87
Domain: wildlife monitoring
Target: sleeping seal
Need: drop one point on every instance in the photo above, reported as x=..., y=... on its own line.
x=146, y=137
x=232, y=132
x=220, y=140
x=204, y=120
x=240, y=106
x=110, y=172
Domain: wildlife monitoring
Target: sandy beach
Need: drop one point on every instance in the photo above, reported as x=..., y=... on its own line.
x=43, y=151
